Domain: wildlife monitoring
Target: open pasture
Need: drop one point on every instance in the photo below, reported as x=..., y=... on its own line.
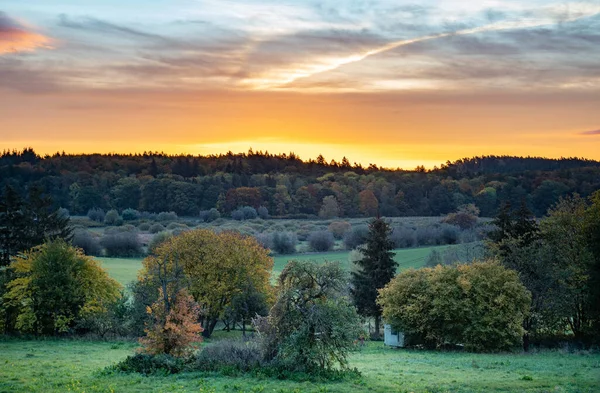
x=57, y=365
x=125, y=270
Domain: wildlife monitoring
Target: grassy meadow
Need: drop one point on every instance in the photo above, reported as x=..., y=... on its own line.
x=56, y=365
x=125, y=270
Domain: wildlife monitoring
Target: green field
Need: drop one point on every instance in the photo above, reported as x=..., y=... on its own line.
x=125, y=270
x=76, y=366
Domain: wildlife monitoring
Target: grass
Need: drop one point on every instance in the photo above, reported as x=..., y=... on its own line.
x=77, y=366
x=125, y=270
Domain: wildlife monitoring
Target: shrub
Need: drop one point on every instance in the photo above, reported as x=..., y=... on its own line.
x=263, y=212
x=339, y=229
x=151, y=364
x=265, y=240
x=144, y=226
x=87, y=242
x=112, y=218
x=449, y=234
x=481, y=306
x=166, y=216
x=249, y=213
x=356, y=236
x=155, y=228
x=176, y=225
x=96, y=215
x=148, y=216
x=124, y=244
x=235, y=355
x=157, y=240
x=284, y=242
x=321, y=241
x=130, y=214
x=403, y=237
x=63, y=213
x=237, y=215
x=464, y=218
x=210, y=215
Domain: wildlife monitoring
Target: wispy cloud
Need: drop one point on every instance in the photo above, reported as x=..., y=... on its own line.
x=593, y=132
x=14, y=37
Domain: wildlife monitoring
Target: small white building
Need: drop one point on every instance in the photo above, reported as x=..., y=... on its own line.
x=393, y=338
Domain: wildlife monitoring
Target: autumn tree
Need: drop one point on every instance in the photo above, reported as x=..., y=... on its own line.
x=330, y=208
x=374, y=270
x=216, y=268
x=55, y=285
x=369, y=205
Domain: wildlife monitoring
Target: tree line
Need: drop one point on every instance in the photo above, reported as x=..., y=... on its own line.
x=286, y=186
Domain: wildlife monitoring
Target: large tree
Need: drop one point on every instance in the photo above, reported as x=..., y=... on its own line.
x=374, y=270
x=216, y=268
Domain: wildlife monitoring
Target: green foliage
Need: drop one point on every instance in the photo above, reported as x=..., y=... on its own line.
x=148, y=364
x=157, y=240
x=54, y=286
x=374, y=270
x=312, y=325
x=284, y=242
x=113, y=218
x=87, y=242
x=481, y=306
x=96, y=214
x=130, y=214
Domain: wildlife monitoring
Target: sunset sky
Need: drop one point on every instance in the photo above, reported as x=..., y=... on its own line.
x=391, y=82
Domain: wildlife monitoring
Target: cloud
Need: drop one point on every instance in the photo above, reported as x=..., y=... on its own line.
x=14, y=37
x=593, y=132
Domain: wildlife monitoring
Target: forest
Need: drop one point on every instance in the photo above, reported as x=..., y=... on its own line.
x=288, y=187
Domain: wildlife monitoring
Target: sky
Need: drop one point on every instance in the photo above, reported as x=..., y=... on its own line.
x=394, y=83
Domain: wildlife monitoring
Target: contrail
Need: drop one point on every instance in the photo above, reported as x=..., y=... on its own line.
x=583, y=12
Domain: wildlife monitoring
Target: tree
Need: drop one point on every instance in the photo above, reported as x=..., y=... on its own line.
x=216, y=268
x=175, y=327
x=28, y=223
x=330, y=207
x=54, y=286
x=369, y=206
x=481, y=306
x=374, y=270
x=312, y=324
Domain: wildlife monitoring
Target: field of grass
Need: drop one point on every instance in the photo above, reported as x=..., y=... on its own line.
x=77, y=366
x=125, y=270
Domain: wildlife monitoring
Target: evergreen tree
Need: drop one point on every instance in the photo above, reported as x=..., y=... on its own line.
x=28, y=223
x=374, y=270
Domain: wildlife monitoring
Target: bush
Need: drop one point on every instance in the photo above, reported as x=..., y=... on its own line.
x=339, y=229
x=176, y=225
x=148, y=216
x=124, y=244
x=87, y=242
x=166, y=216
x=464, y=218
x=237, y=355
x=356, y=236
x=130, y=214
x=150, y=364
x=249, y=213
x=321, y=241
x=210, y=215
x=481, y=306
x=63, y=213
x=155, y=228
x=449, y=234
x=403, y=237
x=112, y=218
x=237, y=215
x=265, y=240
x=284, y=242
x=157, y=240
x=96, y=215
x=263, y=212
x=144, y=226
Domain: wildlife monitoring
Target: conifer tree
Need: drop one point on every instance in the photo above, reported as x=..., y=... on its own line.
x=374, y=270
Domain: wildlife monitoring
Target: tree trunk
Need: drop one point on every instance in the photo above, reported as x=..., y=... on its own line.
x=210, y=327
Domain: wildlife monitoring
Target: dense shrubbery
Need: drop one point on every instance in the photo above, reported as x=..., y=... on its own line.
x=321, y=241
x=403, y=237
x=244, y=213
x=210, y=215
x=112, y=217
x=284, y=242
x=87, y=242
x=130, y=214
x=96, y=215
x=166, y=216
x=356, y=236
x=339, y=229
x=481, y=306
x=124, y=244
x=156, y=228
x=144, y=226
